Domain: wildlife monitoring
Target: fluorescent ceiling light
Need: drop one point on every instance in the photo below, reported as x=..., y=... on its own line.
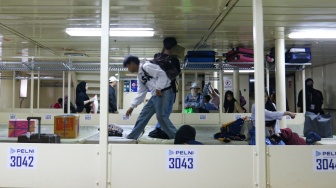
x=117, y=32
x=313, y=34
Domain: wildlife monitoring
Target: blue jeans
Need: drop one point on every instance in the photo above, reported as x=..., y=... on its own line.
x=168, y=110
x=156, y=105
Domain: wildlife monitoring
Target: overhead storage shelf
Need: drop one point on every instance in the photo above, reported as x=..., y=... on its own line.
x=50, y=66
x=238, y=65
x=58, y=66
x=95, y=66
x=291, y=66
x=13, y=66
x=201, y=66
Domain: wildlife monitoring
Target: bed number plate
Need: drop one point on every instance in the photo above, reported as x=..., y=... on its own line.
x=324, y=160
x=181, y=159
x=22, y=157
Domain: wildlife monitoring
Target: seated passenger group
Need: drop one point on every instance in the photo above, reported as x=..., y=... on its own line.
x=196, y=102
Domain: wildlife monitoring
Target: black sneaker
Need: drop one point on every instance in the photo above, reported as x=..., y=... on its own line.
x=163, y=135
x=154, y=133
x=158, y=133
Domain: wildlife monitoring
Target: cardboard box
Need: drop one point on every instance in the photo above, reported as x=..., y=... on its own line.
x=67, y=126
x=18, y=127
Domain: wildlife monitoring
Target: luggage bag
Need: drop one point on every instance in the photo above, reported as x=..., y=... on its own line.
x=238, y=50
x=200, y=59
x=241, y=58
x=38, y=137
x=298, y=55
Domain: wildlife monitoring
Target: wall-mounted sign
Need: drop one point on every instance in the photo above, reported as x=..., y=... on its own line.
x=181, y=159
x=134, y=86
x=22, y=157
x=324, y=160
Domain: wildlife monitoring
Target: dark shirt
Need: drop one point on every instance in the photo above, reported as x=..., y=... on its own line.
x=80, y=98
x=176, y=63
x=112, y=100
x=314, y=101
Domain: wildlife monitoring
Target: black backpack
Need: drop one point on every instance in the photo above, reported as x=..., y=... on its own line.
x=166, y=65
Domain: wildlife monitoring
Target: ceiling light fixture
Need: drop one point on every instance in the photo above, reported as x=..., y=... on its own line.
x=116, y=32
x=313, y=34
x=240, y=71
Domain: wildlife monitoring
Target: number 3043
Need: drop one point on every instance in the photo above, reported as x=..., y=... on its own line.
x=19, y=161
x=184, y=163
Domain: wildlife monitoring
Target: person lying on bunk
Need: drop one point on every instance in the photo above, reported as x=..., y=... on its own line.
x=272, y=129
x=150, y=77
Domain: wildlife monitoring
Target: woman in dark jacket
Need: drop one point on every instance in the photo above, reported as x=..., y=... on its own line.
x=82, y=99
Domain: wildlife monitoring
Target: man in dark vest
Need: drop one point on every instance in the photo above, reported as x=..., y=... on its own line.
x=314, y=98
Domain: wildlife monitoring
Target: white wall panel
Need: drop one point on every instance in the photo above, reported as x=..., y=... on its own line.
x=57, y=165
x=145, y=166
x=293, y=166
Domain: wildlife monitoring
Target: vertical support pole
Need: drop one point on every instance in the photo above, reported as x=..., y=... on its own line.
x=13, y=90
x=183, y=96
x=236, y=85
x=63, y=91
x=120, y=92
x=267, y=77
x=31, y=92
x=195, y=78
x=258, y=42
x=221, y=94
x=215, y=82
x=38, y=89
x=104, y=68
x=280, y=74
x=304, y=104
x=69, y=89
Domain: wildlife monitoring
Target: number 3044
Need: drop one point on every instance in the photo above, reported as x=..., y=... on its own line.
x=184, y=163
x=21, y=161
x=325, y=164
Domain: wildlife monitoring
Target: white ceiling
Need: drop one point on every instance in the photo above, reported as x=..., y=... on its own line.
x=39, y=26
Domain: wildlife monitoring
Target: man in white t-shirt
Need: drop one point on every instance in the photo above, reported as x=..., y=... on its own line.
x=150, y=77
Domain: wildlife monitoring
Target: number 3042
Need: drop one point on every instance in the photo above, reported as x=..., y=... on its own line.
x=184, y=163
x=19, y=161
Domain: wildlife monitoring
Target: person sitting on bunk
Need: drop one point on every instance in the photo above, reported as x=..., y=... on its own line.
x=186, y=135
x=72, y=107
x=59, y=103
x=272, y=129
x=231, y=105
x=207, y=105
x=194, y=100
x=214, y=93
x=242, y=101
